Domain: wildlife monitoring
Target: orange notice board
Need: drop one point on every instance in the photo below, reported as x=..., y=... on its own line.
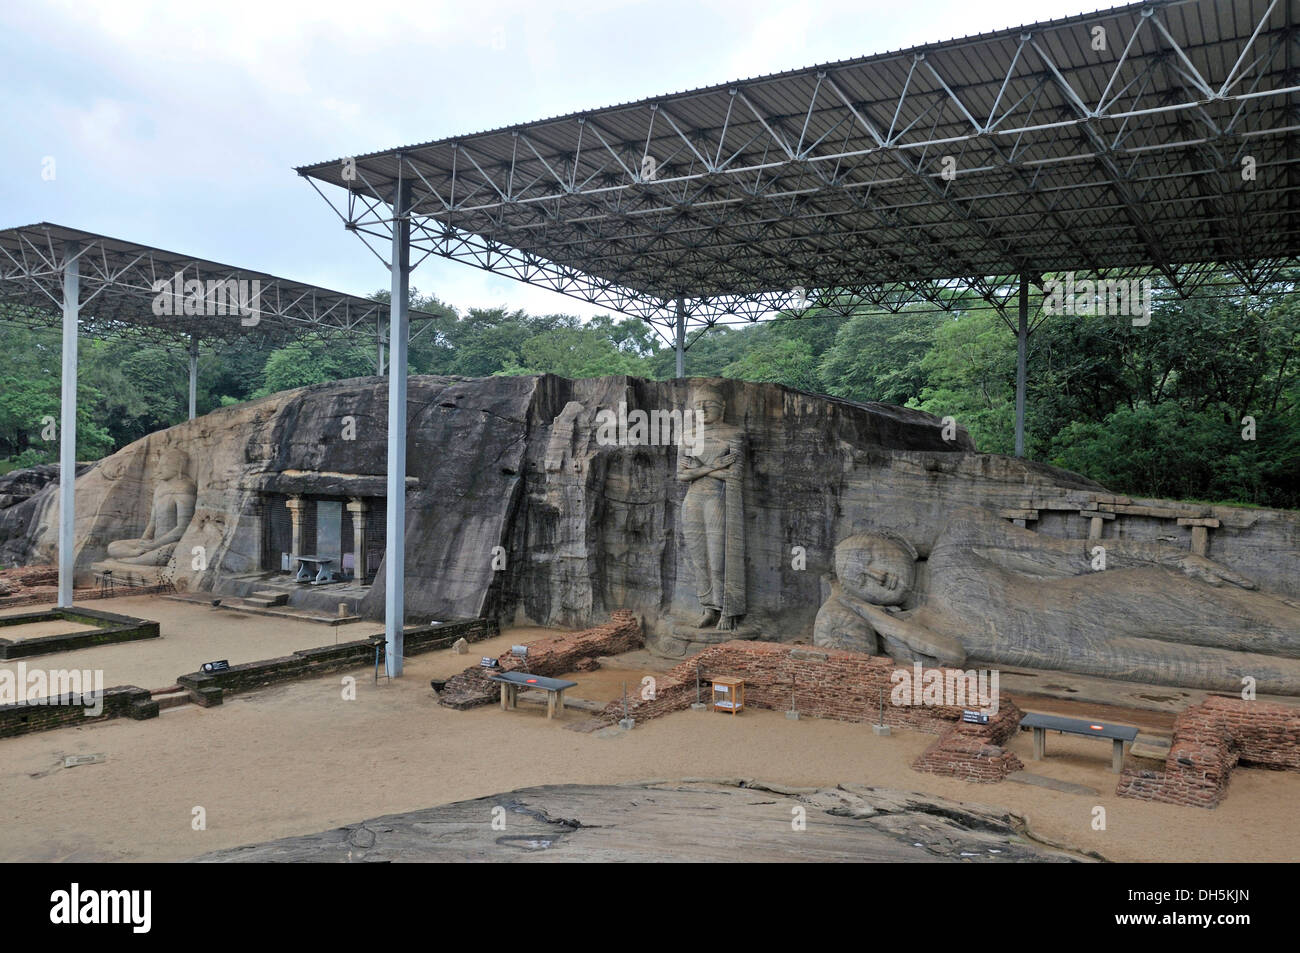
x=728, y=694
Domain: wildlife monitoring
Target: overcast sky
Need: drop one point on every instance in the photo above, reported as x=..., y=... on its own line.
x=178, y=124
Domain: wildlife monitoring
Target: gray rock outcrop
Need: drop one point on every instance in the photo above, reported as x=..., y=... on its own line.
x=680, y=822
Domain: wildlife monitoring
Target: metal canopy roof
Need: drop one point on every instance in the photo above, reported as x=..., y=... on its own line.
x=890, y=178
x=118, y=296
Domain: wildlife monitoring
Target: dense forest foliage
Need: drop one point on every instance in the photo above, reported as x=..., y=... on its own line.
x=1155, y=410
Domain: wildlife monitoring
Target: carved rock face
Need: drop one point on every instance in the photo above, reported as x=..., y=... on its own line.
x=875, y=569
x=709, y=406
x=172, y=464
x=589, y=527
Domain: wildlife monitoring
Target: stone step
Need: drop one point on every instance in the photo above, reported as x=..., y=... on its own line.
x=268, y=597
x=172, y=697
x=1042, y=781
x=1151, y=747
x=285, y=612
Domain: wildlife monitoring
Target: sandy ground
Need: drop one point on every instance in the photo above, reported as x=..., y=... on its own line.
x=35, y=630
x=299, y=758
x=190, y=635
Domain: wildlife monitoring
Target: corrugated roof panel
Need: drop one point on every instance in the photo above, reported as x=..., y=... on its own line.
x=1052, y=184
x=117, y=278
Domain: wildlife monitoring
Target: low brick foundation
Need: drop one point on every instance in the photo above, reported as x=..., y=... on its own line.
x=110, y=628
x=25, y=718
x=430, y=638
x=559, y=654
x=840, y=685
x=28, y=585
x=208, y=689
x=552, y=656
x=306, y=663
x=973, y=752
x=1212, y=738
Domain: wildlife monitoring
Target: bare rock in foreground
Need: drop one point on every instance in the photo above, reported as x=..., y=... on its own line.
x=695, y=820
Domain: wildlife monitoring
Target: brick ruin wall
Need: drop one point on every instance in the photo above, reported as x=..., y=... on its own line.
x=844, y=686
x=1212, y=738
x=209, y=689
x=553, y=656
x=121, y=701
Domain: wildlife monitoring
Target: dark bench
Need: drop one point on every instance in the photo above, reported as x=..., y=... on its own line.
x=512, y=682
x=1042, y=724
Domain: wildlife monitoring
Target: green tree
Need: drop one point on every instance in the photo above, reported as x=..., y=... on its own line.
x=313, y=360
x=878, y=357
x=970, y=374
x=777, y=360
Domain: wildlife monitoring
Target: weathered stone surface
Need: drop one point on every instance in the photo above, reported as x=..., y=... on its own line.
x=17, y=527
x=712, y=466
x=673, y=822
x=588, y=526
x=170, y=513
x=504, y=461
x=19, y=485
x=992, y=594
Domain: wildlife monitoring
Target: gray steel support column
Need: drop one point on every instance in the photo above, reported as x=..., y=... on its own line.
x=681, y=338
x=398, y=332
x=194, y=373
x=68, y=424
x=1022, y=348
x=379, y=344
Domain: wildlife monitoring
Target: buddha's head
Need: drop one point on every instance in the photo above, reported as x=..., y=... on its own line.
x=708, y=404
x=173, y=463
x=877, y=568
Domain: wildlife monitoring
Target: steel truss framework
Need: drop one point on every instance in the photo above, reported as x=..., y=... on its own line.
x=118, y=278
x=55, y=276
x=1159, y=135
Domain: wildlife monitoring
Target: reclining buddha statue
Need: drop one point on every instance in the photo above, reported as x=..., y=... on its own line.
x=993, y=594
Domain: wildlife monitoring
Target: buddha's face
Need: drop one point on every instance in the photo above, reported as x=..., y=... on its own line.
x=172, y=464
x=708, y=409
x=875, y=569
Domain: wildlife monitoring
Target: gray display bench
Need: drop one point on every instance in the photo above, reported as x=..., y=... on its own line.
x=1042, y=724
x=513, y=682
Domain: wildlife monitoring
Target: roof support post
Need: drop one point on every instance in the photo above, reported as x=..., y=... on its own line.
x=1022, y=347
x=194, y=373
x=398, y=333
x=379, y=343
x=681, y=338
x=68, y=423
